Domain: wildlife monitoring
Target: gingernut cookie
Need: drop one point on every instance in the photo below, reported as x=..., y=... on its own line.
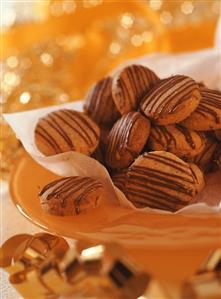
x=199, y=177
x=126, y=139
x=119, y=178
x=207, y=115
x=163, y=181
x=172, y=100
x=71, y=196
x=204, y=160
x=218, y=134
x=129, y=86
x=219, y=161
x=99, y=104
x=176, y=139
x=66, y=130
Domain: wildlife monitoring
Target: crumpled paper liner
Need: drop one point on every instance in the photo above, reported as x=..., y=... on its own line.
x=129, y=227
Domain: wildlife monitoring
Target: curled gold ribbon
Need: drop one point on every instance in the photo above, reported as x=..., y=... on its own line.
x=44, y=266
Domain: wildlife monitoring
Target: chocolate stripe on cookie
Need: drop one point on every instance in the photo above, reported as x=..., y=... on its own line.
x=74, y=125
x=165, y=182
x=99, y=103
x=82, y=124
x=157, y=180
x=84, y=194
x=130, y=85
x=144, y=198
x=171, y=92
x=52, y=184
x=211, y=100
x=164, y=194
x=153, y=172
x=207, y=115
x=56, y=126
x=208, y=151
x=119, y=138
x=70, y=196
x=167, y=161
x=71, y=186
x=66, y=187
x=162, y=136
x=188, y=137
x=48, y=138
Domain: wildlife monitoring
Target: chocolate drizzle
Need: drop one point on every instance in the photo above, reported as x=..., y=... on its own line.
x=207, y=115
x=169, y=186
x=210, y=103
x=120, y=140
x=74, y=190
x=130, y=85
x=168, y=95
x=67, y=125
x=99, y=103
x=176, y=139
x=187, y=134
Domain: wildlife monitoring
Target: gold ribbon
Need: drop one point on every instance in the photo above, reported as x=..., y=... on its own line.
x=44, y=266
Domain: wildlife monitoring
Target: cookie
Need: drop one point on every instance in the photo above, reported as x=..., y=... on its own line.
x=172, y=100
x=119, y=179
x=199, y=177
x=175, y=139
x=126, y=139
x=163, y=181
x=219, y=162
x=218, y=134
x=99, y=104
x=129, y=86
x=66, y=130
x=207, y=115
x=71, y=196
x=205, y=159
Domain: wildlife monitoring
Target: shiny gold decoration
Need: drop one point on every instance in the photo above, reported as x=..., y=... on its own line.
x=206, y=283
x=43, y=265
x=204, y=286
x=213, y=263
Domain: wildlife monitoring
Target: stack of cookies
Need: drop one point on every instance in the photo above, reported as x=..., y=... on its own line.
x=157, y=137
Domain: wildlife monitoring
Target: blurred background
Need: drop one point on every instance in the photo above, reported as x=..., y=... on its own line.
x=52, y=51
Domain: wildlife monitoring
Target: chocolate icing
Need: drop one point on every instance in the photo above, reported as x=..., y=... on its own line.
x=75, y=187
x=170, y=92
x=58, y=120
x=162, y=189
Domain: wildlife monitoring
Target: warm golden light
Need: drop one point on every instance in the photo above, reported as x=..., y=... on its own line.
x=127, y=21
x=69, y=6
x=147, y=36
x=63, y=97
x=156, y=4
x=115, y=48
x=12, y=61
x=56, y=8
x=92, y=251
x=25, y=97
x=9, y=17
x=187, y=7
x=136, y=40
x=11, y=78
x=166, y=17
x=47, y=59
